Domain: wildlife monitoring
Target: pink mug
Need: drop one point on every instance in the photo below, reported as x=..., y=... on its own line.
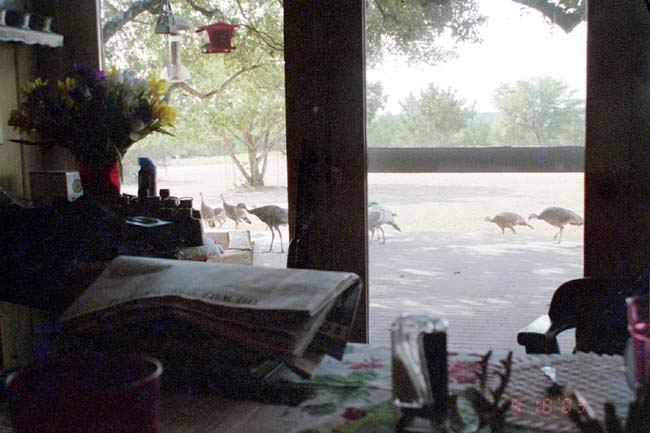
x=98, y=392
x=638, y=316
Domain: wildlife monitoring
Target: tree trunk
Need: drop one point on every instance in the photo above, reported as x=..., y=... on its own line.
x=257, y=179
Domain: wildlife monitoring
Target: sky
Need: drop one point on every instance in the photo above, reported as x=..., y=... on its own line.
x=517, y=45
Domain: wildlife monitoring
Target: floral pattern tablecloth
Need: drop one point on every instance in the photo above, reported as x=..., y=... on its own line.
x=354, y=394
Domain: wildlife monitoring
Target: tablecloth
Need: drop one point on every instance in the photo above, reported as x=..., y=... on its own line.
x=354, y=394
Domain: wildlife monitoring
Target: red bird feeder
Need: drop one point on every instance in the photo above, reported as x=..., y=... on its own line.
x=220, y=35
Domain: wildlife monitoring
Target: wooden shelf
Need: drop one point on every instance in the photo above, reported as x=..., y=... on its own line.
x=30, y=37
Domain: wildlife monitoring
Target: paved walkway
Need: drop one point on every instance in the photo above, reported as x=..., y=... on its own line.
x=487, y=286
x=487, y=289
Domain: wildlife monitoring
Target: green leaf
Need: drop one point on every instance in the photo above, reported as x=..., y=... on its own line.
x=320, y=409
x=362, y=376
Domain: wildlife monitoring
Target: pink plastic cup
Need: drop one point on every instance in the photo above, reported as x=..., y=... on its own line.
x=638, y=317
x=99, y=393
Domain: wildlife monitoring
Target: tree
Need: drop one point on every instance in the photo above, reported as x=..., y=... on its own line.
x=375, y=100
x=411, y=30
x=250, y=119
x=389, y=130
x=541, y=111
x=566, y=14
x=435, y=116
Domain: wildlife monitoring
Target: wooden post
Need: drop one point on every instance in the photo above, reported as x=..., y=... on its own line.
x=617, y=158
x=326, y=155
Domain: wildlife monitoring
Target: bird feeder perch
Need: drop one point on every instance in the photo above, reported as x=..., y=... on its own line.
x=220, y=36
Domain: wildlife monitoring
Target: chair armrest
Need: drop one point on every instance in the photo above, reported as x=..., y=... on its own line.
x=534, y=337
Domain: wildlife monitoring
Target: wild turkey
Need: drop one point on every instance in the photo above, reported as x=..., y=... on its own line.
x=234, y=213
x=558, y=217
x=207, y=213
x=379, y=215
x=219, y=215
x=273, y=216
x=508, y=220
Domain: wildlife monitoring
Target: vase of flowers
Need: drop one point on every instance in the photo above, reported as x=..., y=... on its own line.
x=97, y=116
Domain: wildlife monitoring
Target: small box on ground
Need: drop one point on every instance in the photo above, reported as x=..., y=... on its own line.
x=49, y=185
x=237, y=246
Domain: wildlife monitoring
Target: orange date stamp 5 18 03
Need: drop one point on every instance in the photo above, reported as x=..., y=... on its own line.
x=547, y=406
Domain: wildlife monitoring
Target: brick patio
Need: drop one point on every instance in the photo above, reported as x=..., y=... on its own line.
x=497, y=284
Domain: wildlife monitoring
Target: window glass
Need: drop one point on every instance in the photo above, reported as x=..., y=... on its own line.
x=487, y=92
x=228, y=144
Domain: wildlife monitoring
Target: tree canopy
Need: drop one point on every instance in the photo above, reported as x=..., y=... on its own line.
x=541, y=111
x=212, y=118
x=435, y=116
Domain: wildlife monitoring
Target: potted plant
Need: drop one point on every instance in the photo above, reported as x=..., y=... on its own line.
x=97, y=116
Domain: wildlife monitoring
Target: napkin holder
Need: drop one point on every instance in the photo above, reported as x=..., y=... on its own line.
x=421, y=400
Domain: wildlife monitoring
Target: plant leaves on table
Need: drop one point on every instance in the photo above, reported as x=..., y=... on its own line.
x=320, y=409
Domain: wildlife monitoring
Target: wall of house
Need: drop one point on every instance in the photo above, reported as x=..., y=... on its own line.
x=16, y=67
x=76, y=20
x=9, y=152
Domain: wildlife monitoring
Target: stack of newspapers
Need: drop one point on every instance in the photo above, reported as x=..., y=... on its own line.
x=296, y=316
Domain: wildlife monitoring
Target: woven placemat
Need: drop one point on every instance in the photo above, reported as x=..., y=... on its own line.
x=599, y=378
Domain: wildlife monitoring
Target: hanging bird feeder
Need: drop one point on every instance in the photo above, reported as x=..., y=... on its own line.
x=172, y=25
x=220, y=37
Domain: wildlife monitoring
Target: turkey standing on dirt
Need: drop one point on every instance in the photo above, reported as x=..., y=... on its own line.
x=211, y=215
x=377, y=216
x=558, y=217
x=508, y=220
x=273, y=216
x=234, y=213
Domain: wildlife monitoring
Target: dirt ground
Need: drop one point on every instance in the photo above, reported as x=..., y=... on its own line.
x=447, y=260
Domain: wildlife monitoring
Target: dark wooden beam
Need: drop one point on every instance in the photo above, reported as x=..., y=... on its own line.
x=617, y=158
x=325, y=121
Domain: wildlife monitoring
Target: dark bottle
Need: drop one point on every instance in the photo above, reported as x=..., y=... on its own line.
x=191, y=226
x=147, y=178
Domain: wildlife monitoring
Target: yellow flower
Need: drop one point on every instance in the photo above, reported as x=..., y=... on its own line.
x=66, y=86
x=157, y=88
x=111, y=73
x=39, y=82
x=165, y=113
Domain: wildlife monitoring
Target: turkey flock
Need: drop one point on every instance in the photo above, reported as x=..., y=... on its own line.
x=555, y=216
x=271, y=215
x=378, y=216
x=275, y=216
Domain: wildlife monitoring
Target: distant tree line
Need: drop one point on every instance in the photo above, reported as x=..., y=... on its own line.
x=541, y=111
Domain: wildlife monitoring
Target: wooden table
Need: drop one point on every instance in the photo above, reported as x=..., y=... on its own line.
x=354, y=396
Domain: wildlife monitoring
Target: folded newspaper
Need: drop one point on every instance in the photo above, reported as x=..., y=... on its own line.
x=293, y=315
